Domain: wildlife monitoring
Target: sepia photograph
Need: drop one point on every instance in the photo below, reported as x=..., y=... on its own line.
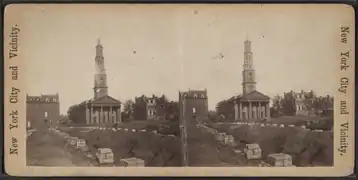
x=220, y=90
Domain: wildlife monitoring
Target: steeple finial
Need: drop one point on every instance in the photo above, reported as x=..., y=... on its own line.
x=247, y=36
x=99, y=41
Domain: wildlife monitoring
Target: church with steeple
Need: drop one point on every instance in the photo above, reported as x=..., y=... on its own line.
x=251, y=104
x=102, y=109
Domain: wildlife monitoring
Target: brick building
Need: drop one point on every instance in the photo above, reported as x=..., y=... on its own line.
x=150, y=108
x=42, y=110
x=193, y=104
x=299, y=107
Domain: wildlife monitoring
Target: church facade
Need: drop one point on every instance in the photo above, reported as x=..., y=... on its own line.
x=251, y=104
x=102, y=109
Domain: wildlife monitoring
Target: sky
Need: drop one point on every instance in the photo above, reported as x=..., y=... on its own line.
x=156, y=49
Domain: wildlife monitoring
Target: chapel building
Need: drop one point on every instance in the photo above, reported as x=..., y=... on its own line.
x=102, y=109
x=251, y=104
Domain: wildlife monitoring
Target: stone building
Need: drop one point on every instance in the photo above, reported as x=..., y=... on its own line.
x=251, y=104
x=297, y=100
x=102, y=109
x=42, y=110
x=150, y=108
x=301, y=109
x=193, y=104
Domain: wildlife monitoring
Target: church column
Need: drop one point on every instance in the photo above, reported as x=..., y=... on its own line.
x=250, y=110
x=255, y=112
x=236, y=111
x=110, y=115
x=259, y=111
x=119, y=117
x=106, y=119
x=268, y=109
x=240, y=109
x=87, y=115
x=101, y=116
x=91, y=115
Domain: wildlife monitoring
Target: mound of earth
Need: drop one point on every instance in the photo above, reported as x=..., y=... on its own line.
x=306, y=147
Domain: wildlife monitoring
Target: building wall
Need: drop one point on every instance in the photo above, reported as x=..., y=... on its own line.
x=193, y=104
x=36, y=109
x=301, y=109
x=151, y=108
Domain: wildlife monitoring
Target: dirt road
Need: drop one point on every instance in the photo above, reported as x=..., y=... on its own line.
x=46, y=149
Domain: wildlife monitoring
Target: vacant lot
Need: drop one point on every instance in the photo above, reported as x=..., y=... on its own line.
x=155, y=149
x=306, y=147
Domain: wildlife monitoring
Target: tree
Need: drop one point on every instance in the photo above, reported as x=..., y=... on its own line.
x=128, y=109
x=277, y=108
x=172, y=111
x=288, y=104
x=140, y=108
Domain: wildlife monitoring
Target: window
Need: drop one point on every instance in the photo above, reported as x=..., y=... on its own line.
x=202, y=96
x=195, y=95
x=47, y=100
x=194, y=110
x=46, y=114
x=54, y=100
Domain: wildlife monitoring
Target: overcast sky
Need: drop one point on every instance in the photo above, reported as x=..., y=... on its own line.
x=162, y=50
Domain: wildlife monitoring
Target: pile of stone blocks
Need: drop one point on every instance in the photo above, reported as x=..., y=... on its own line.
x=229, y=140
x=105, y=156
x=220, y=137
x=253, y=151
x=279, y=160
x=132, y=162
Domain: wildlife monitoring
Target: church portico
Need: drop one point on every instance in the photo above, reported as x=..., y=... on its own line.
x=104, y=110
x=251, y=110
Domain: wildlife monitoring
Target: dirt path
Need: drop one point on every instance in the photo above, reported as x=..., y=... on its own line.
x=45, y=149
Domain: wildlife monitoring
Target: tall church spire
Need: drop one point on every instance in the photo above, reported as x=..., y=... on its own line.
x=248, y=74
x=100, y=79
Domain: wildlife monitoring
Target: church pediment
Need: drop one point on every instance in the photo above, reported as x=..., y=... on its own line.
x=106, y=100
x=255, y=95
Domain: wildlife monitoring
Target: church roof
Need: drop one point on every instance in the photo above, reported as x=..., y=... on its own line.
x=103, y=100
x=255, y=95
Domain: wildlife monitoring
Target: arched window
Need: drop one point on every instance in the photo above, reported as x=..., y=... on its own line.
x=47, y=100
x=195, y=95
x=202, y=96
x=54, y=100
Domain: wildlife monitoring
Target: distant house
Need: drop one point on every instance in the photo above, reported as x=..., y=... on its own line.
x=41, y=110
x=295, y=104
x=149, y=108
